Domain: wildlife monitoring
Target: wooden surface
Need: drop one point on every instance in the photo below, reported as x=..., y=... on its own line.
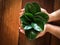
x=9, y=22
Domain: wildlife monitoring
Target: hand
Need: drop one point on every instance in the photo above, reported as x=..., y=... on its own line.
x=54, y=30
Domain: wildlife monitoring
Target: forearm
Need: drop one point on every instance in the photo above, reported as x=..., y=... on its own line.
x=54, y=16
x=54, y=30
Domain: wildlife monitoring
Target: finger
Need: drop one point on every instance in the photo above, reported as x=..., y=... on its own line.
x=43, y=10
x=21, y=12
x=21, y=30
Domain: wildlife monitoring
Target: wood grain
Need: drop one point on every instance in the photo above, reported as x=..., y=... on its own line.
x=9, y=22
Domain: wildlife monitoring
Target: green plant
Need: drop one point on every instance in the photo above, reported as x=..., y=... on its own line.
x=33, y=20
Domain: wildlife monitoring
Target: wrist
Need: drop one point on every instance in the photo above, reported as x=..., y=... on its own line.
x=48, y=27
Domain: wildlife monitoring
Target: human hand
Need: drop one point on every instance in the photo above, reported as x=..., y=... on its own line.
x=54, y=16
x=54, y=30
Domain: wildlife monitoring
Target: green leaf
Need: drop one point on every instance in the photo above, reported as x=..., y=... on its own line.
x=42, y=16
x=29, y=16
x=31, y=8
x=24, y=20
x=31, y=34
x=36, y=27
x=37, y=7
x=28, y=27
x=27, y=8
